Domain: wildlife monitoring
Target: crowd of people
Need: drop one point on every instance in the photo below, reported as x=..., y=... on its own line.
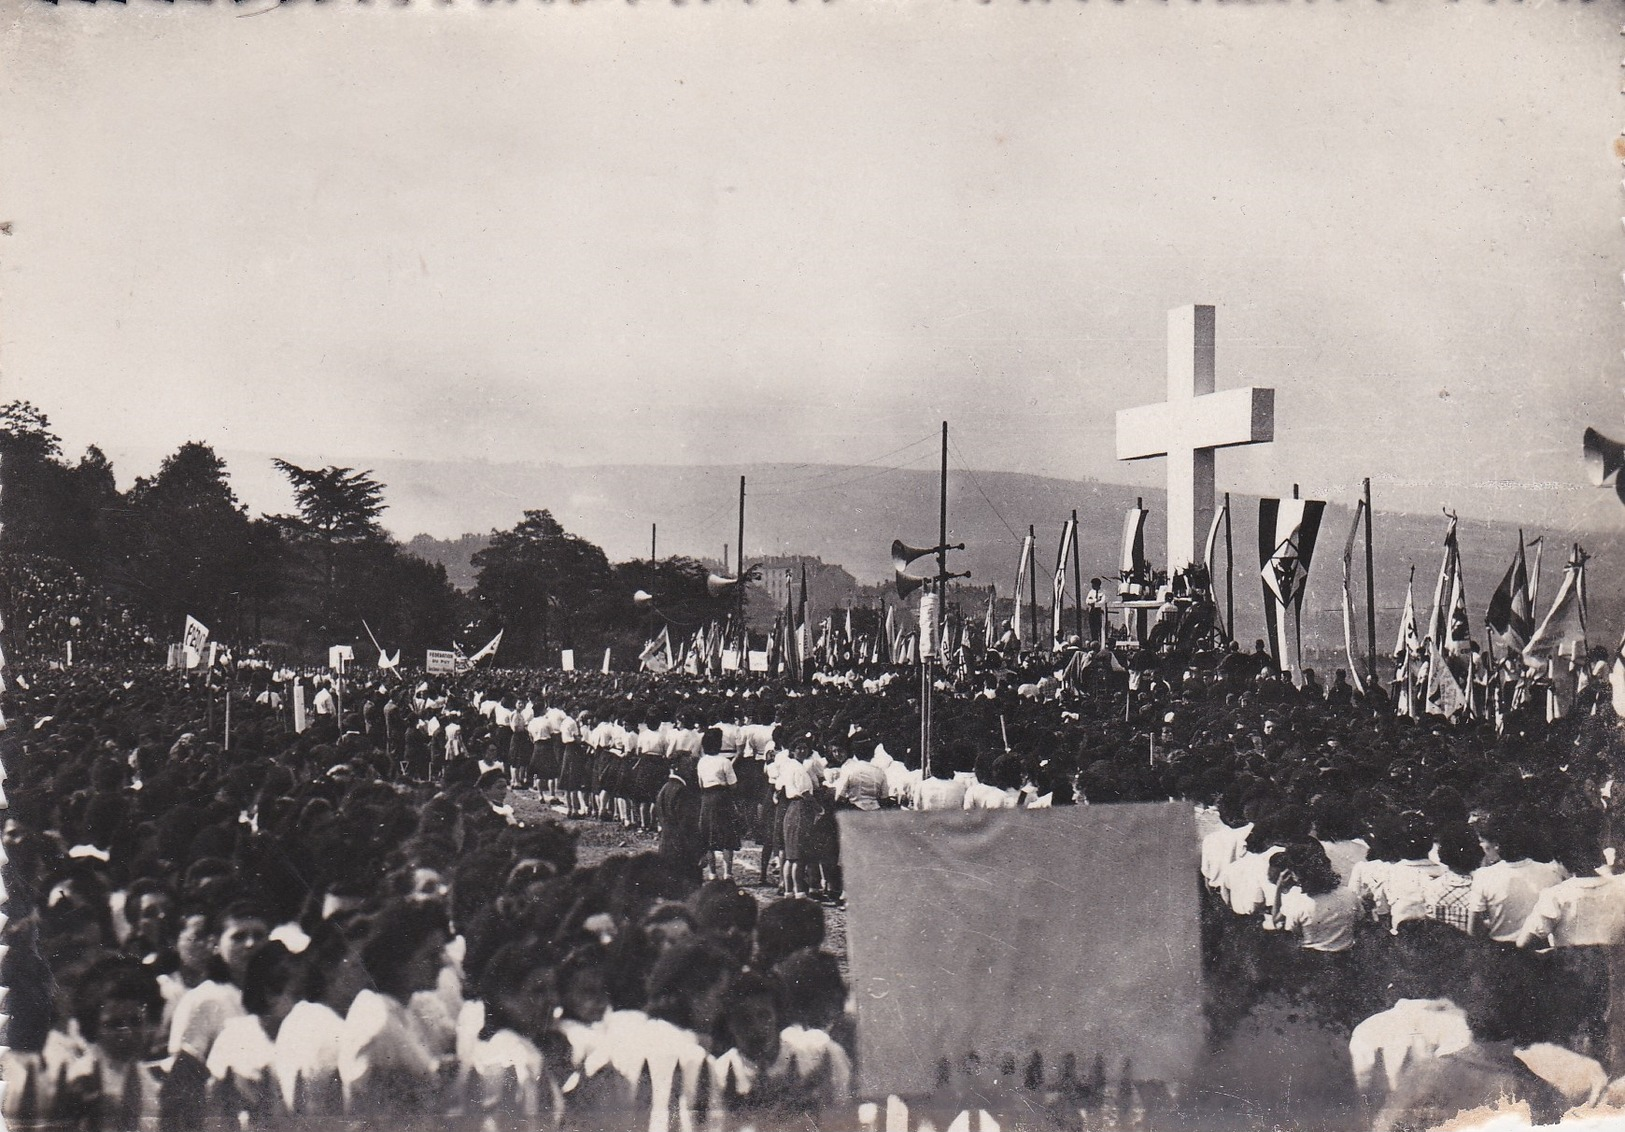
x=383, y=919
x=54, y=611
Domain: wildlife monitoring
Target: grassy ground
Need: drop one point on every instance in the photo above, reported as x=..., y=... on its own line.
x=597, y=840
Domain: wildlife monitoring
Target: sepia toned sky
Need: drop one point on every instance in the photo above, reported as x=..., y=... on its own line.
x=800, y=232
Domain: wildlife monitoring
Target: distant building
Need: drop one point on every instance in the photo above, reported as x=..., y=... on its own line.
x=829, y=587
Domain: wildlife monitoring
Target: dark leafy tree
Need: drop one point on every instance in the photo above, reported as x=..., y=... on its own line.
x=407, y=602
x=184, y=542
x=336, y=505
x=37, y=490
x=544, y=587
x=338, y=509
x=678, y=602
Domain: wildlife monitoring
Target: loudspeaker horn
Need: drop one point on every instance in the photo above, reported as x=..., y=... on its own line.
x=718, y=586
x=1604, y=458
x=907, y=583
x=902, y=553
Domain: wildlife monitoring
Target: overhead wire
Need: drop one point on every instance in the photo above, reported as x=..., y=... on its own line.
x=964, y=466
x=843, y=469
x=813, y=486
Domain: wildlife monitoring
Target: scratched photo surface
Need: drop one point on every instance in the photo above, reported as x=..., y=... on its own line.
x=611, y=301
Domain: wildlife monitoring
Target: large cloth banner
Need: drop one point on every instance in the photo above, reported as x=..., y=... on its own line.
x=1067, y=931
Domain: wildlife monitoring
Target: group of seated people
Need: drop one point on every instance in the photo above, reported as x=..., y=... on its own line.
x=1464, y=955
x=279, y=936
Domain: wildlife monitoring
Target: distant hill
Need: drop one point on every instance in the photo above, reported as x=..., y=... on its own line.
x=456, y=555
x=849, y=515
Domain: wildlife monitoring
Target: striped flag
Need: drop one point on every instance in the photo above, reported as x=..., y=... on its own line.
x=1562, y=631
x=1348, y=597
x=1448, y=626
x=1287, y=529
x=1022, y=569
x=1511, y=615
x=1069, y=536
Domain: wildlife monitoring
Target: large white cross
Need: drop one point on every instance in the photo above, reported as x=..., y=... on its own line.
x=1187, y=428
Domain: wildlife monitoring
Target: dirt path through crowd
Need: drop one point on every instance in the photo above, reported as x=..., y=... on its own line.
x=597, y=840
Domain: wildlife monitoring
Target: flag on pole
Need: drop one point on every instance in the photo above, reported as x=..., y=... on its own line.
x=1348, y=597
x=1219, y=517
x=1022, y=569
x=1445, y=695
x=656, y=654
x=803, y=632
x=1063, y=558
x=1448, y=625
x=1539, y=544
x=990, y=635
x=1133, y=563
x=384, y=659
x=1409, y=642
x=1511, y=615
x=1616, y=678
x=490, y=649
x=1562, y=631
x=1287, y=529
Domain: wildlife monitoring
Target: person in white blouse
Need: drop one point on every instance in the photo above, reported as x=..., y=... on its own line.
x=386, y=1063
x=1504, y=893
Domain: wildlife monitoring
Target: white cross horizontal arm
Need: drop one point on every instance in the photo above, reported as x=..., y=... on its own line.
x=1214, y=420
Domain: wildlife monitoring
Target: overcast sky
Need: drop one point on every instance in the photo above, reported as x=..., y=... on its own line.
x=611, y=232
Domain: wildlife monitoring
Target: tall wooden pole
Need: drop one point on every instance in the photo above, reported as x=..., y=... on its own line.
x=654, y=529
x=942, y=513
x=1370, y=591
x=1229, y=575
x=1032, y=579
x=1077, y=578
x=941, y=588
x=739, y=553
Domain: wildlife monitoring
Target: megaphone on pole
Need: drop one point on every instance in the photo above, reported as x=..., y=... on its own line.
x=907, y=583
x=902, y=554
x=1604, y=461
x=716, y=585
x=643, y=597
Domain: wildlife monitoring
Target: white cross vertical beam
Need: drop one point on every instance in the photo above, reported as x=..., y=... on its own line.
x=1190, y=426
x=1190, y=469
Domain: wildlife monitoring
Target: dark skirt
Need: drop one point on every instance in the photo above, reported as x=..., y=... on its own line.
x=545, y=760
x=612, y=775
x=753, y=798
x=719, y=825
x=800, y=829
x=575, y=769
x=520, y=752
x=603, y=761
x=677, y=808
x=646, y=774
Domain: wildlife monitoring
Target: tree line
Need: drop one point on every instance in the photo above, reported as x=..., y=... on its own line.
x=180, y=543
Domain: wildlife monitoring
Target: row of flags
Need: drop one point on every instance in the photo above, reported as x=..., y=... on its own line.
x=1442, y=673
